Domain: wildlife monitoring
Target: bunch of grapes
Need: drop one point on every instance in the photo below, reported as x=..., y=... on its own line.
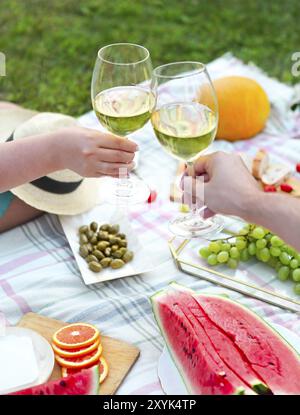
x=255, y=241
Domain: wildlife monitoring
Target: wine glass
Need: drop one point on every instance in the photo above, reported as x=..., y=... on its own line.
x=185, y=120
x=121, y=99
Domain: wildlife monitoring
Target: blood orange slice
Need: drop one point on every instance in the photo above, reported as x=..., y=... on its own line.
x=76, y=352
x=81, y=361
x=103, y=370
x=76, y=336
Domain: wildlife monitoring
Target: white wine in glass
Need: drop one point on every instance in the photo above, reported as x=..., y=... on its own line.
x=122, y=101
x=185, y=120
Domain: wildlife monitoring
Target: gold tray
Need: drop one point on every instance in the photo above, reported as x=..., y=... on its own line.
x=178, y=248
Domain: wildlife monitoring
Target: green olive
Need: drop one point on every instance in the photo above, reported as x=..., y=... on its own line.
x=95, y=266
x=94, y=240
x=128, y=256
x=121, y=235
x=91, y=258
x=94, y=226
x=90, y=247
x=117, y=263
x=112, y=239
x=123, y=251
x=98, y=254
x=83, y=238
x=89, y=234
x=123, y=243
x=117, y=254
x=104, y=227
x=83, y=229
x=103, y=236
x=107, y=251
x=101, y=246
x=114, y=229
x=114, y=248
x=105, y=262
x=83, y=251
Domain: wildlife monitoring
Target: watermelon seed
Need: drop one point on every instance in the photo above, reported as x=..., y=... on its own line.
x=62, y=383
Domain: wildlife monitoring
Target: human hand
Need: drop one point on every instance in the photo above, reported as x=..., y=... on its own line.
x=228, y=186
x=92, y=153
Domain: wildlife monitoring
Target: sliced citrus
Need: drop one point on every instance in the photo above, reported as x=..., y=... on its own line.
x=81, y=361
x=76, y=352
x=76, y=336
x=103, y=370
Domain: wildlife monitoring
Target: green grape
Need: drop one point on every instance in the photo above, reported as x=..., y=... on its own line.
x=258, y=233
x=257, y=254
x=274, y=251
x=252, y=248
x=284, y=258
x=232, y=263
x=297, y=256
x=284, y=247
x=225, y=246
x=240, y=243
x=214, y=247
x=294, y=263
x=265, y=254
x=275, y=241
x=297, y=289
x=296, y=275
x=283, y=273
x=245, y=230
x=212, y=259
x=273, y=262
x=223, y=257
x=234, y=253
x=291, y=251
x=245, y=255
x=278, y=265
x=261, y=243
x=268, y=237
x=204, y=252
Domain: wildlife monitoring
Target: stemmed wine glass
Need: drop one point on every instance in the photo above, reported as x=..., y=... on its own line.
x=185, y=119
x=121, y=99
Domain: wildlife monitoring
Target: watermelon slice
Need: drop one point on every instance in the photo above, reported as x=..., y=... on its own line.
x=220, y=343
x=85, y=382
x=269, y=355
x=202, y=371
x=210, y=335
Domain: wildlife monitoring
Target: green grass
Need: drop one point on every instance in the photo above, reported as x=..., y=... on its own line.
x=50, y=46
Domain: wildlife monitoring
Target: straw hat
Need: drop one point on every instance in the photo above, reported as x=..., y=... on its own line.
x=62, y=192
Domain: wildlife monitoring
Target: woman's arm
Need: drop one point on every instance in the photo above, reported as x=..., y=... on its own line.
x=230, y=189
x=88, y=152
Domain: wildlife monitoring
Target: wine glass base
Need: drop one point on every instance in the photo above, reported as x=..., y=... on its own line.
x=114, y=193
x=190, y=227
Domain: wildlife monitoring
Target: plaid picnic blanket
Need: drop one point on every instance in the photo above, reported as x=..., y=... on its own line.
x=38, y=272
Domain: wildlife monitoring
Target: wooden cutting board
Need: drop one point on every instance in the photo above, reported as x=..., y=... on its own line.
x=119, y=355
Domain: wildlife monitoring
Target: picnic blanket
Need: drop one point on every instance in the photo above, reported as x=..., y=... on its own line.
x=38, y=272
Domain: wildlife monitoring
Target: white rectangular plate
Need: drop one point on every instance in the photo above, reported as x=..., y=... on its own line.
x=107, y=214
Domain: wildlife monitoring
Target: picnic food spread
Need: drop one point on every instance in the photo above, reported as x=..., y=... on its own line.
x=78, y=346
x=221, y=347
x=103, y=246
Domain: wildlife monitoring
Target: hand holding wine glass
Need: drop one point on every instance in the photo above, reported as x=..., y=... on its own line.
x=122, y=102
x=185, y=120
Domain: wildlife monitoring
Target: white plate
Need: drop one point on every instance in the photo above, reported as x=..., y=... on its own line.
x=43, y=353
x=171, y=380
x=104, y=214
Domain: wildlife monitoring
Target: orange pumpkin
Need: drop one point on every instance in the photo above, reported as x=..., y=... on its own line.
x=243, y=107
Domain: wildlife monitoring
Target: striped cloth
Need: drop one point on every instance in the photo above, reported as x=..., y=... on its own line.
x=38, y=272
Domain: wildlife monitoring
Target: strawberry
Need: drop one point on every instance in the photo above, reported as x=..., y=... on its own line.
x=298, y=167
x=152, y=197
x=286, y=188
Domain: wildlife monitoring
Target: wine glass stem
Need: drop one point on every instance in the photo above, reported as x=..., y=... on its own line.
x=195, y=212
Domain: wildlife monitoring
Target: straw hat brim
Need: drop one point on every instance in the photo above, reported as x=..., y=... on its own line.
x=23, y=123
